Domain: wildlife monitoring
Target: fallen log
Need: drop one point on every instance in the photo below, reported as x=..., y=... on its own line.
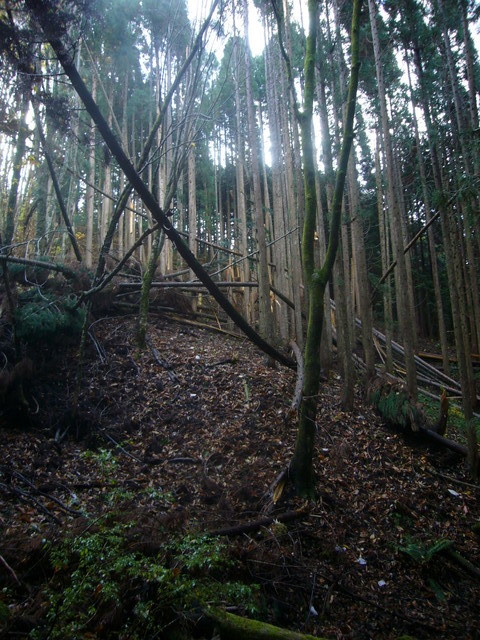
x=233, y=627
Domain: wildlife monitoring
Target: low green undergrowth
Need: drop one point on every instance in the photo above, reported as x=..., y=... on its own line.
x=47, y=317
x=104, y=587
x=456, y=420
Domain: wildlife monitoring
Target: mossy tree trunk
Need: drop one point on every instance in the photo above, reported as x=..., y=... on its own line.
x=236, y=627
x=316, y=280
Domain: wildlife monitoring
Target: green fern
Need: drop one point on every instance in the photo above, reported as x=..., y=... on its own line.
x=422, y=553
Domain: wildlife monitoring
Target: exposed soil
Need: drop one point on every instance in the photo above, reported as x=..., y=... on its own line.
x=204, y=428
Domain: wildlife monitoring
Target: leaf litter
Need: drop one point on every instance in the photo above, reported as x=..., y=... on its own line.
x=190, y=434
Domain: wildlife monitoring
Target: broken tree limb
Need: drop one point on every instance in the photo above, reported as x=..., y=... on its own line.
x=39, y=264
x=233, y=627
x=248, y=527
x=186, y=285
x=468, y=566
x=446, y=442
x=43, y=13
x=406, y=249
x=391, y=400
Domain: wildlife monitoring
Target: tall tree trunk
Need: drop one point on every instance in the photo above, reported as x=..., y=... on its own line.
x=90, y=193
x=455, y=281
x=292, y=216
x=385, y=258
x=405, y=314
x=358, y=250
x=11, y=211
x=264, y=311
x=442, y=331
x=301, y=467
x=192, y=203
x=241, y=208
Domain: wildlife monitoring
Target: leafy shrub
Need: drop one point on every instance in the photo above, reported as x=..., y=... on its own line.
x=45, y=317
x=103, y=587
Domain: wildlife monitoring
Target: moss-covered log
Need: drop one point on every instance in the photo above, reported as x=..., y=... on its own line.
x=393, y=402
x=234, y=627
x=395, y=405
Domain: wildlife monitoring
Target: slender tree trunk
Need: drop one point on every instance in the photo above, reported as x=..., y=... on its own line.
x=358, y=250
x=16, y=171
x=56, y=185
x=90, y=193
x=301, y=467
x=442, y=331
x=192, y=203
x=404, y=312
x=241, y=208
x=292, y=216
x=264, y=311
x=385, y=258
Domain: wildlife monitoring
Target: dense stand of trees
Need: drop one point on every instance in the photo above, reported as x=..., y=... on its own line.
x=219, y=137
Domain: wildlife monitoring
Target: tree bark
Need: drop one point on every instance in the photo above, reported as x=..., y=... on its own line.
x=90, y=194
x=264, y=311
x=16, y=171
x=301, y=467
x=405, y=314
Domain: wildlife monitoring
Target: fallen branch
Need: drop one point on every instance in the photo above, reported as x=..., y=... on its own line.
x=163, y=363
x=108, y=437
x=257, y=524
x=10, y=570
x=23, y=496
x=462, y=562
x=50, y=266
x=449, y=444
x=186, y=285
x=202, y=325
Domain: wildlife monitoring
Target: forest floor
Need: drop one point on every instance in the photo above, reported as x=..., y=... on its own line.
x=187, y=438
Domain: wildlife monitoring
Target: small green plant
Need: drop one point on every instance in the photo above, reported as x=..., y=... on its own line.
x=424, y=553
x=437, y=590
x=102, y=583
x=456, y=418
x=104, y=458
x=117, y=495
x=201, y=552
